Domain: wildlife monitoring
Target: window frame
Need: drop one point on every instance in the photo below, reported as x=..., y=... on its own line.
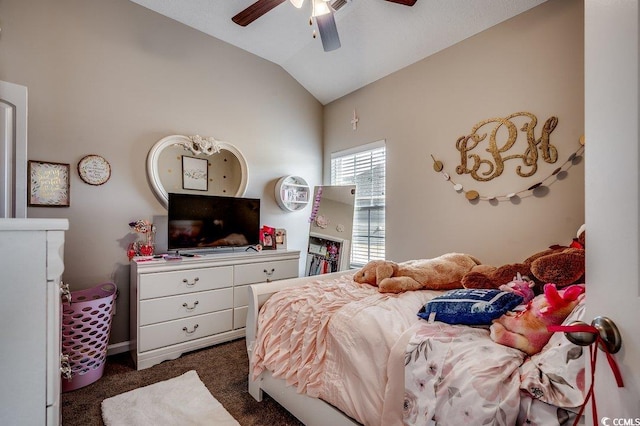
x=376, y=205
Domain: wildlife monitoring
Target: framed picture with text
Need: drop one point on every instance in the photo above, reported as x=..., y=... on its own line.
x=195, y=173
x=48, y=184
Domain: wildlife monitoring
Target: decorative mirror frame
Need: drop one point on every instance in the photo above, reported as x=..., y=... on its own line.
x=196, y=145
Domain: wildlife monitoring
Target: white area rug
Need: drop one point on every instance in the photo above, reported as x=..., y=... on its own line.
x=183, y=400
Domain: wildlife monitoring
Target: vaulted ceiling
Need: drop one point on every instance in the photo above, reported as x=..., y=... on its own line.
x=377, y=37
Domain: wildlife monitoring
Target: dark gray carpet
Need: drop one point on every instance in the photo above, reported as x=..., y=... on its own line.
x=222, y=368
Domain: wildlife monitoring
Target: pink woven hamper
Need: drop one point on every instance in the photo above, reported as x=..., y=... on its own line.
x=86, y=325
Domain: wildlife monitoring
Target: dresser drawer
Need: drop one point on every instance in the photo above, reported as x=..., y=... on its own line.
x=265, y=271
x=240, y=317
x=185, y=305
x=162, y=284
x=182, y=330
x=240, y=296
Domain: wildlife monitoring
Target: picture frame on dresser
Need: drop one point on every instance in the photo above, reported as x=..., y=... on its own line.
x=268, y=238
x=281, y=238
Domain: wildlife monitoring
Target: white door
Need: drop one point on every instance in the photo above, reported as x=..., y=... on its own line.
x=13, y=150
x=612, y=188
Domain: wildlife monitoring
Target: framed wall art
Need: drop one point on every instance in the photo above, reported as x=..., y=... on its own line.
x=195, y=173
x=48, y=184
x=94, y=169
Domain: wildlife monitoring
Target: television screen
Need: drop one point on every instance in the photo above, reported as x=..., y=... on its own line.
x=208, y=221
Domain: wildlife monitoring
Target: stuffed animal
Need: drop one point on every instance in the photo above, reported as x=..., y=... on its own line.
x=490, y=277
x=440, y=273
x=527, y=330
x=561, y=265
x=521, y=286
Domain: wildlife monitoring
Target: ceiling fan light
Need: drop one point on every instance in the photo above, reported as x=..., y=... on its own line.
x=297, y=3
x=320, y=8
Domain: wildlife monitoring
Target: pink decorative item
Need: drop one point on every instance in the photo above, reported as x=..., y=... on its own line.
x=521, y=286
x=145, y=247
x=527, y=330
x=86, y=325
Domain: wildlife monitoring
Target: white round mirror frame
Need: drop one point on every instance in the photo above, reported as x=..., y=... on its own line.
x=186, y=142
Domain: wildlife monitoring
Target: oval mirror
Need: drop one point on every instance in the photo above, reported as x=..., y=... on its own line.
x=195, y=165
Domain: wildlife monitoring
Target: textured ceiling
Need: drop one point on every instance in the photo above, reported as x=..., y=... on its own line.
x=377, y=37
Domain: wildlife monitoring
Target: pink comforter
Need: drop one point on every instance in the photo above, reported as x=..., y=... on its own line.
x=336, y=344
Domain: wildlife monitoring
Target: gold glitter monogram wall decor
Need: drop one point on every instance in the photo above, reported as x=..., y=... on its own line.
x=494, y=166
x=484, y=169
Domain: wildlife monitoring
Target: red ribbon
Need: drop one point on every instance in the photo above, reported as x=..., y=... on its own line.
x=593, y=350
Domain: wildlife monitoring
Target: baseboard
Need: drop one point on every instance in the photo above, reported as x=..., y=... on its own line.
x=118, y=348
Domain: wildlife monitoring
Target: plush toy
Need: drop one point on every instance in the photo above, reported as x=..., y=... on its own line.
x=521, y=286
x=527, y=330
x=561, y=265
x=485, y=276
x=440, y=273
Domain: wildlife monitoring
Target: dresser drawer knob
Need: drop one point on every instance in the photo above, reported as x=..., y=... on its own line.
x=191, y=284
x=184, y=305
x=269, y=273
x=186, y=330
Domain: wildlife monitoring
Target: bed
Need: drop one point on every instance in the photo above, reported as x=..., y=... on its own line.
x=332, y=351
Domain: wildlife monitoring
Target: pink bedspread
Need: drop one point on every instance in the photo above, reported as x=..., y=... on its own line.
x=336, y=344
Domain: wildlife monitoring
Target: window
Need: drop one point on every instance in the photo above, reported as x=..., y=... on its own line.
x=365, y=167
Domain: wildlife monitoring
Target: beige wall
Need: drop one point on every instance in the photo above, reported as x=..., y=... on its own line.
x=113, y=78
x=533, y=62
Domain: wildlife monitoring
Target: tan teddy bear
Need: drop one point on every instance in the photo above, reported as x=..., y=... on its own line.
x=441, y=273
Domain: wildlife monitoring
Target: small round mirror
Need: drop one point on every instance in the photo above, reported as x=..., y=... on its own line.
x=195, y=165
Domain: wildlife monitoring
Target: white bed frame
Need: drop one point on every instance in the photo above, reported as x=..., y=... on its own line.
x=310, y=411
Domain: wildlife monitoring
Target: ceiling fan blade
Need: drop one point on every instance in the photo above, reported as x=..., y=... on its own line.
x=255, y=11
x=328, y=32
x=404, y=2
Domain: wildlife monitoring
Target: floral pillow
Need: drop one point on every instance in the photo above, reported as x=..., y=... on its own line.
x=470, y=306
x=556, y=375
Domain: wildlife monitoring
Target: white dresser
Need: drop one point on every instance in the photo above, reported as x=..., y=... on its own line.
x=31, y=265
x=178, y=306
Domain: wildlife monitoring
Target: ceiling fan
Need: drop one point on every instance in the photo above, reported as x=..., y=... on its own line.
x=322, y=11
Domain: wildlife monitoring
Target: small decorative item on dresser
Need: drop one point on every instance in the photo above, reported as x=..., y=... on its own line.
x=268, y=238
x=281, y=238
x=146, y=246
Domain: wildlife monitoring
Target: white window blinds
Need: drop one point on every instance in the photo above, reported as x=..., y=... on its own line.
x=365, y=167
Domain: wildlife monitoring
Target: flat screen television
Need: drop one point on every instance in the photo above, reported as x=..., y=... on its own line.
x=207, y=222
